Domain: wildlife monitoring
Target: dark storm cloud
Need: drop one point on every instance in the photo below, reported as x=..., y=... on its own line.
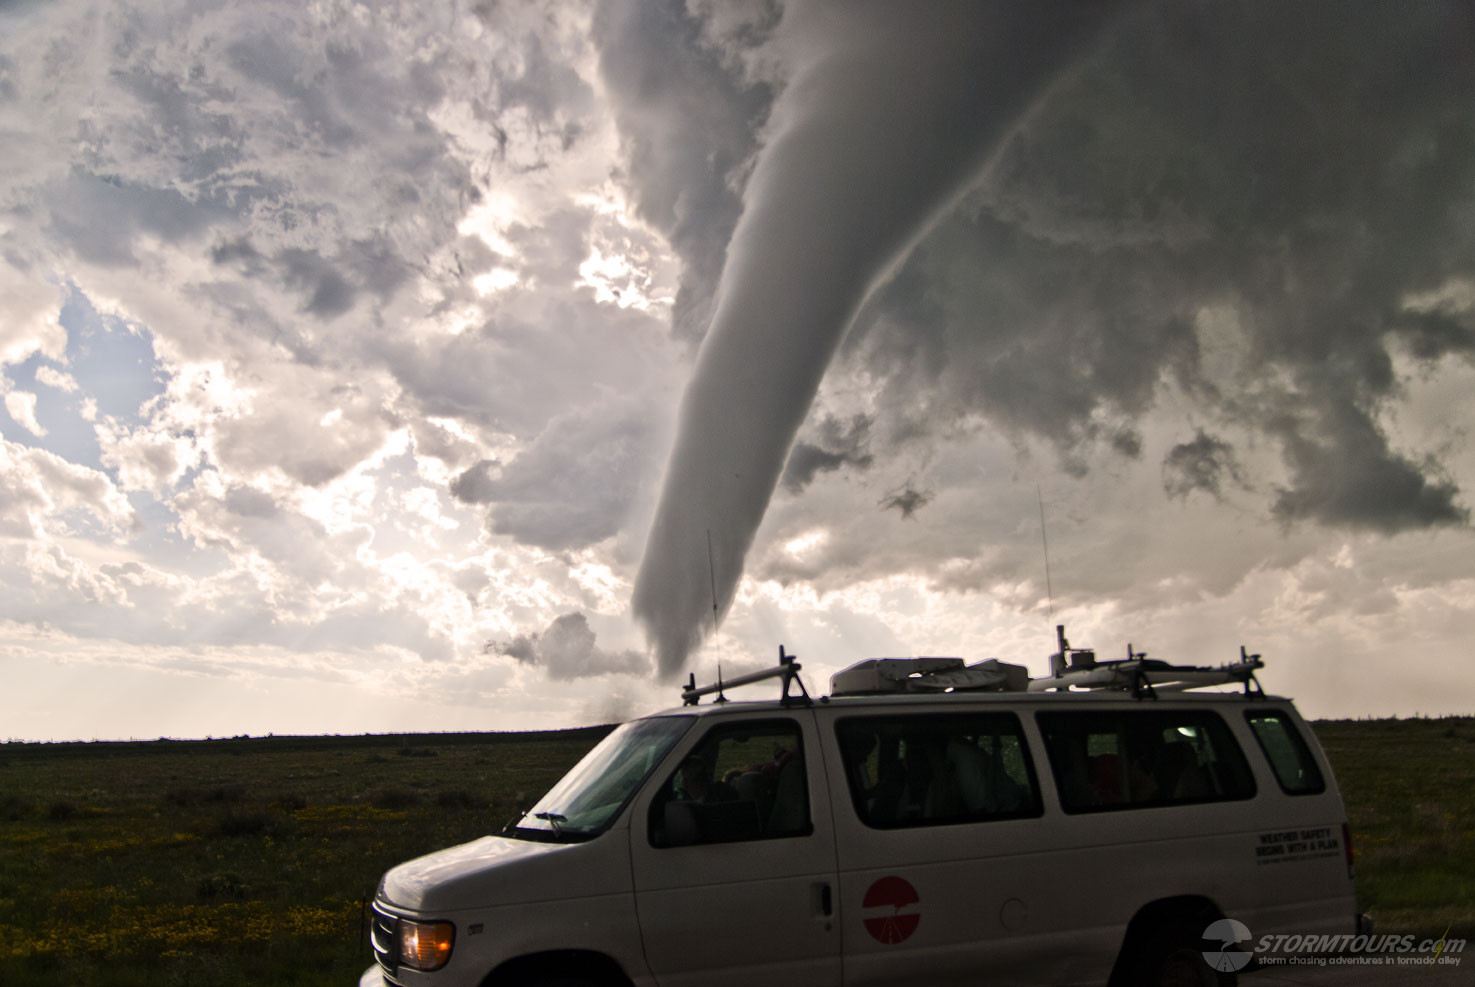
x=325, y=292
x=889, y=110
x=1203, y=464
x=566, y=650
x=908, y=501
x=1127, y=441
x=1057, y=340
x=1345, y=474
x=690, y=122
x=1431, y=335
x=1201, y=186
x=476, y=484
x=836, y=444
x=325, y=287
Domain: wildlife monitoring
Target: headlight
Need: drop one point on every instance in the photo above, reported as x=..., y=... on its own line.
x=425, y=945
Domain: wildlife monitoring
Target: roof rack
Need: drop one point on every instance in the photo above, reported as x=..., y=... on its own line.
x=787, y=669
x=1071, y=669
x=1078, y=668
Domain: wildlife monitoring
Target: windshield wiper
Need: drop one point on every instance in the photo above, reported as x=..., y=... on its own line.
x=558, y=831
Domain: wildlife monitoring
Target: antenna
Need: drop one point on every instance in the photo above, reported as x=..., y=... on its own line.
x=1045, y=541
x=712, y=575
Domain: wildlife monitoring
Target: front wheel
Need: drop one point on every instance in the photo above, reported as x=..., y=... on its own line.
x=1177, y=961
x=560, y=978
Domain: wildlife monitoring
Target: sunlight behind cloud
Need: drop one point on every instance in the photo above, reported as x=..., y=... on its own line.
x=615, y=280
x=493, y=281
x=490, y=220
x=806, y=544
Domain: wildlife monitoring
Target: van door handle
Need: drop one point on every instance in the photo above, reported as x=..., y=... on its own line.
x=826, y=901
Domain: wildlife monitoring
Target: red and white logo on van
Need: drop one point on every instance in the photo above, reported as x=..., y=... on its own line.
x=885, y=902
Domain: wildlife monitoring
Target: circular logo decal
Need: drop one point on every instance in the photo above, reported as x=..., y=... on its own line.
x=1227, y=959
x=884, y=901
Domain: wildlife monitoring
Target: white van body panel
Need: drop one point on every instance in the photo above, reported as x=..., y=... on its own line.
x=510, y=898
x=602, y=924
x=495, y=870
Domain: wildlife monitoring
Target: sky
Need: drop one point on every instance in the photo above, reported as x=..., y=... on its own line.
x=380, y=367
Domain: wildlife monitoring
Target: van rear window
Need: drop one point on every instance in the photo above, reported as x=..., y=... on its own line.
x=1287, y=752
x=1132, y=759
x=937, y=769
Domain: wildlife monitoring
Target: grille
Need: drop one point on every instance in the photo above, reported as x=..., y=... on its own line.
x=384, y=935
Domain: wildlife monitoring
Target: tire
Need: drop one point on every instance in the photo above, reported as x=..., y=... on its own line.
x=1176, y=960
x=556, y=978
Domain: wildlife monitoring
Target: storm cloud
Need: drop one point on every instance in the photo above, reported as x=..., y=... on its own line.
x=1200, y=207
x=566, y=649
x=337, y=341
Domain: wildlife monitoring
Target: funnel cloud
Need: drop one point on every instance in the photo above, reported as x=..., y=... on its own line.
x=889, y=112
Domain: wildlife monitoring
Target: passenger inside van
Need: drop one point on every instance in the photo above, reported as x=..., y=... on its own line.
x=1178, y=773
x=1142, y=758
x=948, y=770
x=720, y=794
x=698, y=785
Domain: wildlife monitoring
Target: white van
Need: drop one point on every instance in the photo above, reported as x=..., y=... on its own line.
x=927, y=823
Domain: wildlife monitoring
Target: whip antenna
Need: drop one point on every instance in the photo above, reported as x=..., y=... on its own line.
x=1044, y=541
x=712, y=575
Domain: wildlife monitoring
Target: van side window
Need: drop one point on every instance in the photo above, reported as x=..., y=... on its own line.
x=933, y=770
x=1133, y=759
x=1287, y=752
x=743, y=781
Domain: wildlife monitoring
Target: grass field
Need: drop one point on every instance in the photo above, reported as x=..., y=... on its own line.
x=232, y=862
x=1409, y=787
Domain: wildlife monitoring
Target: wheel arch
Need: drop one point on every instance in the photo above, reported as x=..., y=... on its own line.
x=572, y=964
x=1180, y=912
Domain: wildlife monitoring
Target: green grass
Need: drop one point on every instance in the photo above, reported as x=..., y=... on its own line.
x=234, y=862
x=224, y=863
x=1409, y=786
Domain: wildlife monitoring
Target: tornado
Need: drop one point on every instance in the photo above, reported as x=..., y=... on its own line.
x=889, y=114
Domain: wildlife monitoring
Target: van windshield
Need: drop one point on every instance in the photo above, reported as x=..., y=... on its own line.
x=592, y=794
